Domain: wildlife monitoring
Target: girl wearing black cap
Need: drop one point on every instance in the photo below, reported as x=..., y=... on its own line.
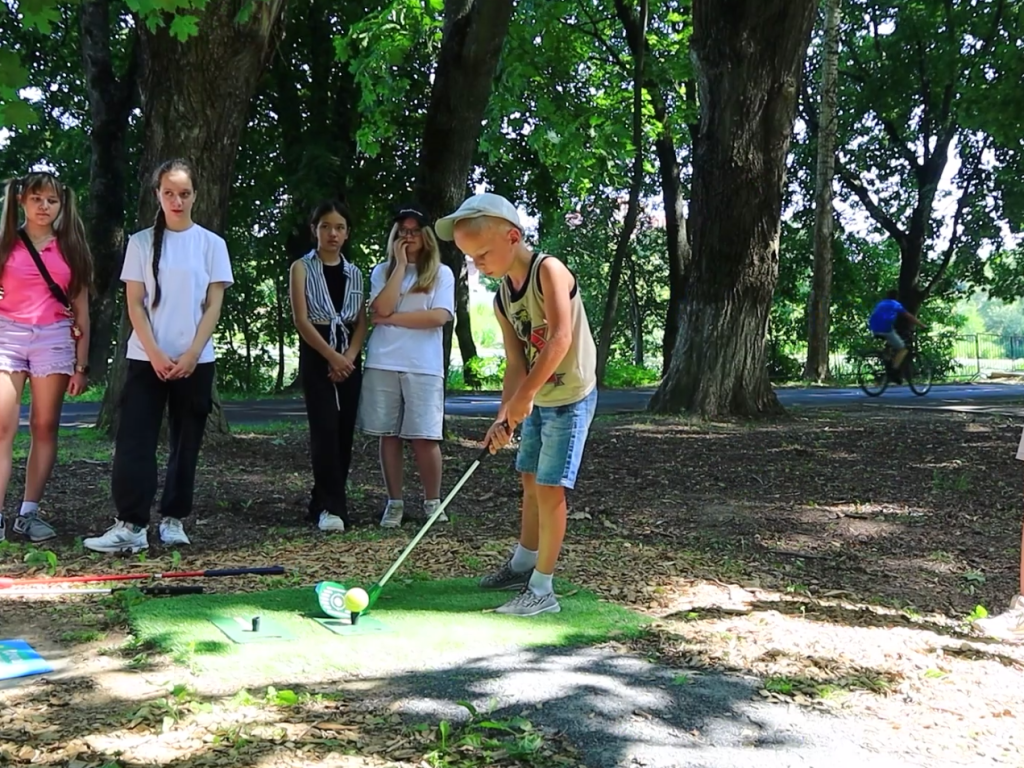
x=412, y=296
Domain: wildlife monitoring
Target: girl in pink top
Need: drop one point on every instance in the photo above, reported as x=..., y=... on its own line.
x=45, y=279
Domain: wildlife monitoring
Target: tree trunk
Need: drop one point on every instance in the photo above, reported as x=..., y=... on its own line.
x=611, y=305
x=748, y=55
x=192, y=109
x=819, y=309
x=474, y=34
x=637, y=316
x=672, y=196
x=111, y=101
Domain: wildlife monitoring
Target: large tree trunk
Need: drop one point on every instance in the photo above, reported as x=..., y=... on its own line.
x=748, y=55
x=819, y=306
x=111, y=101
x=195, y=104
x=611, y=305
x=474, y=34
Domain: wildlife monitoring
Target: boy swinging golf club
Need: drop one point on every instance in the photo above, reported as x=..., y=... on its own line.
x=549, y=389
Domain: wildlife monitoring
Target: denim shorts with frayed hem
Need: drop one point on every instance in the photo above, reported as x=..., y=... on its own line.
x=39, y=350
x=552, y=439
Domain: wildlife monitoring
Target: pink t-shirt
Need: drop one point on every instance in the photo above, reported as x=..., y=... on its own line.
x=27, y=297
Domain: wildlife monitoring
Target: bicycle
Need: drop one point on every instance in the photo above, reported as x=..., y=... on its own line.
x=875, y=372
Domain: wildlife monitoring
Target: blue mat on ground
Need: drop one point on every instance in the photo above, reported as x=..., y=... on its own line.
x=19, y=659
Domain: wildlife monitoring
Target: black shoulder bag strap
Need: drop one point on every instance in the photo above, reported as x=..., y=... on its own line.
x=56, y=290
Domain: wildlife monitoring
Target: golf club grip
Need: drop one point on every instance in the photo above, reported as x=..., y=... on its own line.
x=270, y=570
x=486, y=450
x=167, y=589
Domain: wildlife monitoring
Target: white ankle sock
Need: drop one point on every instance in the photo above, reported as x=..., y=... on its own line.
x=28, y=507
x=524, y=559
x=540, y=583
x=396, y=503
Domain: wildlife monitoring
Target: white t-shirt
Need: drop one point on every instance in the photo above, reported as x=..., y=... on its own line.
x=189, y=262
x=411, y=350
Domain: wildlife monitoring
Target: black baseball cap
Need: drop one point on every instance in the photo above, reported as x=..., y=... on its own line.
x=411, y=211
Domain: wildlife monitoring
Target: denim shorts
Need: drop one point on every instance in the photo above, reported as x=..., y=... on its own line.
x=39, y=350
x=552, y=440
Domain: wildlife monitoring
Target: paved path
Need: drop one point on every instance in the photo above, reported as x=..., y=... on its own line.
x=622, y=401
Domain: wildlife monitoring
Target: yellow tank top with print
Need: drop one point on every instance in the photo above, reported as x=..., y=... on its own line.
x=576, y=375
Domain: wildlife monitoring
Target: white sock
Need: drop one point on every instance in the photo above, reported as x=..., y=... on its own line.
x=28, y=507
x=435, y=503
x=396, y=503
x=524, y=559
x=540, y=583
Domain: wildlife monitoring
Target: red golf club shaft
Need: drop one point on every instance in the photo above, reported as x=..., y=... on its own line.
x=271, y=570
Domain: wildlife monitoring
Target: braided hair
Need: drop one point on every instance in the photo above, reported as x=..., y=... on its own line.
x=160, y=222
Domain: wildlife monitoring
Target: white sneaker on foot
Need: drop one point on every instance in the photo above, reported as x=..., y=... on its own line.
x=1005, y=626
x=121, y=536
x=172, y=532
x=330, y=523
x=3, y=528
x=393, y=514
x=430, y=507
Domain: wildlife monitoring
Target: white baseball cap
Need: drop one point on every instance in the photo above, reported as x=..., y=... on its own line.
x=485, y=204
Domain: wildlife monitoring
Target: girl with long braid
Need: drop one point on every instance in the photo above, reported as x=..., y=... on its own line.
x=175, y=275
x=45, y=279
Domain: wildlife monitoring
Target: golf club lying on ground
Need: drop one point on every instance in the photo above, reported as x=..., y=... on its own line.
x=271, y=570
x=374, y=591
x=165, y=590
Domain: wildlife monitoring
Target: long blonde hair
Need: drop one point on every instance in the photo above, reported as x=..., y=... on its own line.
x=67, y=228
x=427, y=265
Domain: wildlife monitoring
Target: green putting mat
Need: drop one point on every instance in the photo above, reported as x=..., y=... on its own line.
x=239, y=628
x=425, y=619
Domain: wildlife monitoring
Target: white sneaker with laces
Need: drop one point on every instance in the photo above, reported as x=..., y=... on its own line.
x=393, y=514
x=430, y=507
x=120, y=537
x=172, y=532
x=3, y=528
x=1006, y=626
x=331, y=523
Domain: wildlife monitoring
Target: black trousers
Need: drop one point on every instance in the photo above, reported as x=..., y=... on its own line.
x=189, y=402
x=331, y=410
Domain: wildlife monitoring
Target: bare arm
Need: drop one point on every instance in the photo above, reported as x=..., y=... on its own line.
x=421, y=318
x=135, y=298
x=515, y=360
x=80, y=305
x=556, y=283
x=211, y=316
x=300, y=311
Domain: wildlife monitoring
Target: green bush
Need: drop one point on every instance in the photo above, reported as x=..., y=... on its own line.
x=622, y=375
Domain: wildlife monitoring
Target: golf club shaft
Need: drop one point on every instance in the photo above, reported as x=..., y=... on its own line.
x=426, y=527
x=163, y=589
x=265, y=570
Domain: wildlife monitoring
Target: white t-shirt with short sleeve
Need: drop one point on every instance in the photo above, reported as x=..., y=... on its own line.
x=411, y=350
x=189, y=262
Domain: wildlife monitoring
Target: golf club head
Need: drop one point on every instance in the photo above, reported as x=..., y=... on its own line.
x=372, y=593
x=331, y=597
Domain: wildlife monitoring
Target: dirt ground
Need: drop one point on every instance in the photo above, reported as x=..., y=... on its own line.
x=835, y=556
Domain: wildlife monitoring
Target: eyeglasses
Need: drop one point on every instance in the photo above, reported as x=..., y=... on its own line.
x=409, y=232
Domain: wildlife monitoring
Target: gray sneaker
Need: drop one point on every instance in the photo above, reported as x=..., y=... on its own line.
x=506, y=578
x=526, y=603
x=33, y=527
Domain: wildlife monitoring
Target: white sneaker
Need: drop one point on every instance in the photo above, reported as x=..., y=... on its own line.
x=1005, y=626
x=3, y=528
x=430, y=507
x=331, y=523
x=393, y=514
x=172, y=532
x=119, y=537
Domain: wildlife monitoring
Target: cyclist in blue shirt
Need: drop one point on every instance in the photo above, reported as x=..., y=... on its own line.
x=883, y=323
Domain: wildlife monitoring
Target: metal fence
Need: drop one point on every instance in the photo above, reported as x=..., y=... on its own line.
x=974, y=355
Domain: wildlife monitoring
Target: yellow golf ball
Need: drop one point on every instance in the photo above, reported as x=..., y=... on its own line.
x=356, y=599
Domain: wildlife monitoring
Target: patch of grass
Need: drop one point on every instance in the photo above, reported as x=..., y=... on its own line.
x=80, y=636
x=426, y=619
x=75, y=444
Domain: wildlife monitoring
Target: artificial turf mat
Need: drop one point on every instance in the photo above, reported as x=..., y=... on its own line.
x=426, y=619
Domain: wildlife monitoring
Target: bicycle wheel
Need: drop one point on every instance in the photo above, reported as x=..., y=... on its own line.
x=919, y=376
x=872, y=376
